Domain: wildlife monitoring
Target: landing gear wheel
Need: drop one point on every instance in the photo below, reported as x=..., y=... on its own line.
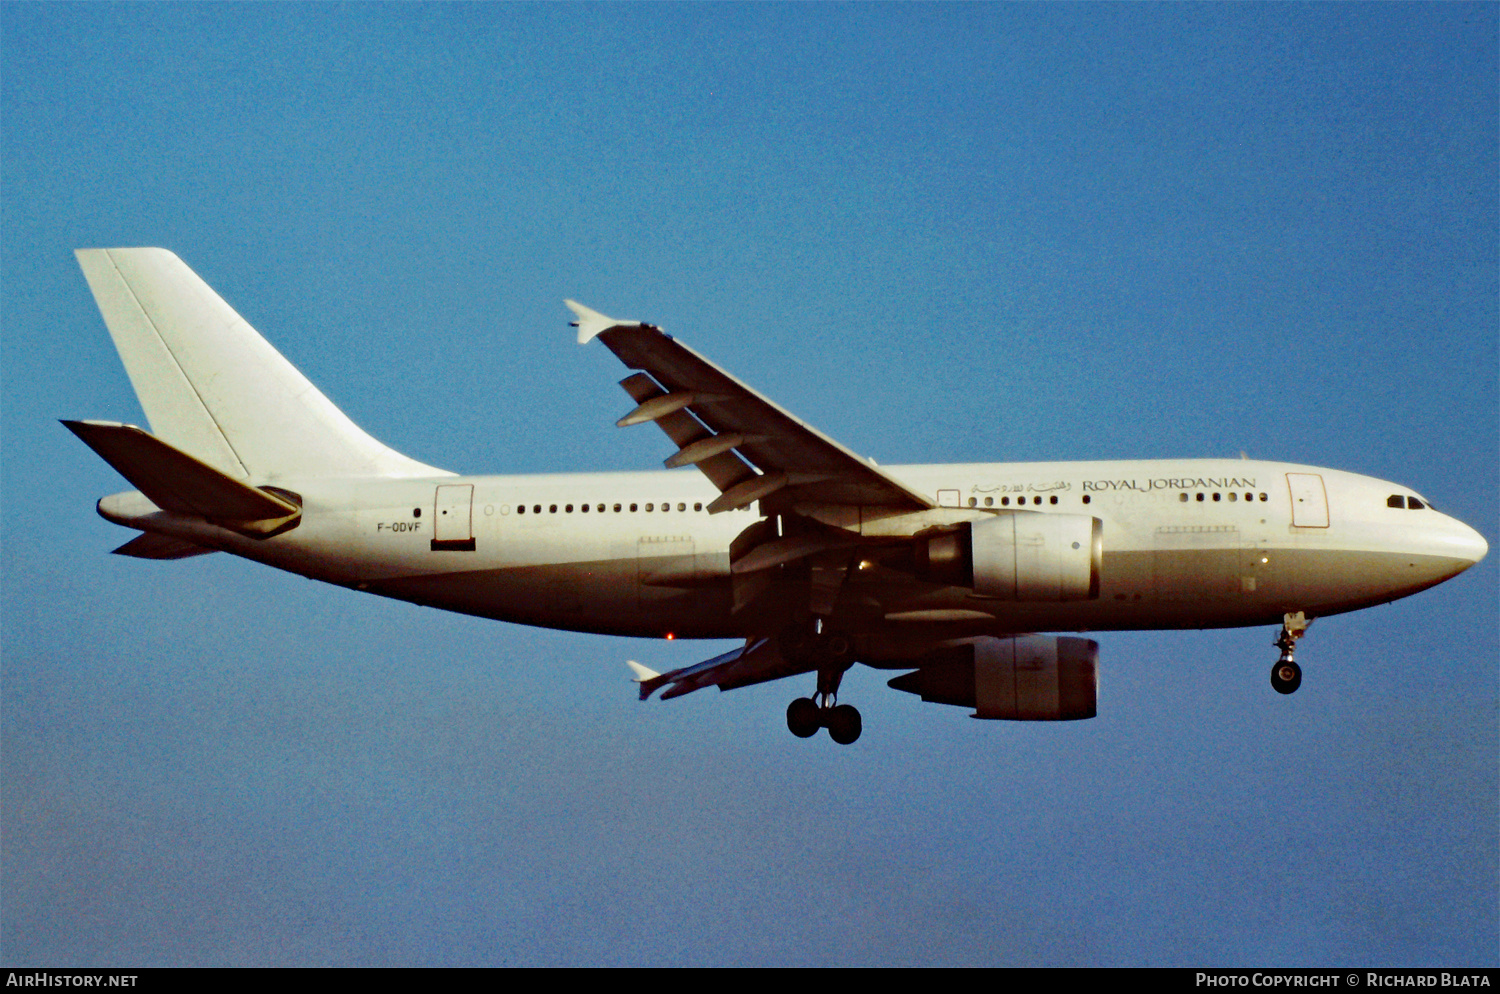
x=1286, y=675
x=803, y=718
x=844, y=724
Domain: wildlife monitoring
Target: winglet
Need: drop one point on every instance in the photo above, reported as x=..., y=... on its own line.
x=590, y=322
x=648, y=678
x=642, y=673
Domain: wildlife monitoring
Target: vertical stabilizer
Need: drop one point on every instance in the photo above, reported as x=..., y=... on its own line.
x=212, y=387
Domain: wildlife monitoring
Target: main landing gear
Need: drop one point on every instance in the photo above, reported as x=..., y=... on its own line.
x=805, y=716
x=832, y=652
x=1286, y=675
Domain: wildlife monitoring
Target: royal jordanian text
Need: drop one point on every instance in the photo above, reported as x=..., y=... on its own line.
x=1220, y=483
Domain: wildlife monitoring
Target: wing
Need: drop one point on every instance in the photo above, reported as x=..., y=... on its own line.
x=750, y=448
x=757, y=661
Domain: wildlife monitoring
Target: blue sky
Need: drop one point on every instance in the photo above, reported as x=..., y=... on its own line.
x=937, y=232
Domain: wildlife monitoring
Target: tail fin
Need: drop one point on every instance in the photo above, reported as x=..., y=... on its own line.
x=212, y=387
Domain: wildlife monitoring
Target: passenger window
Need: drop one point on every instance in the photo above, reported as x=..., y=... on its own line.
x=521, y=509
x=650, y=507
x=632, y=508
x=552, y=509
x=416, y=512
x=1182, y=498
x=1005, y=501
x=698, y=506
x=682, y=507
x=584, y=509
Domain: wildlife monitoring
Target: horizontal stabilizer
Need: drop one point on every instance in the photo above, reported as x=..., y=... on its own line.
x=175, y=481
x=150, y=546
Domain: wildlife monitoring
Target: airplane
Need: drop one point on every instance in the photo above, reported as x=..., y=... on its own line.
x=761, y=528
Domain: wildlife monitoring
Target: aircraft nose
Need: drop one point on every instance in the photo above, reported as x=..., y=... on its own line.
x=1459, y=542
x=1470, y=544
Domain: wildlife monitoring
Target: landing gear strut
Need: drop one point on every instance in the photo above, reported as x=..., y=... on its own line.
x=1286, y=675
x=833, y=654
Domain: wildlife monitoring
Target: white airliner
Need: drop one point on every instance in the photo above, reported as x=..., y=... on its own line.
x=778, y=536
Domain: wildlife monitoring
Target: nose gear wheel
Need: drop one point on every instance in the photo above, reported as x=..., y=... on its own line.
x=1286, y=675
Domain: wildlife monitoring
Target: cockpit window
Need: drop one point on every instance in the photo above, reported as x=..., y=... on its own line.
x=1414, y=504
x=1395, y=500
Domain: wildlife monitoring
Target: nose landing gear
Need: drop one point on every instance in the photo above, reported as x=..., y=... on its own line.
x=1286, y=675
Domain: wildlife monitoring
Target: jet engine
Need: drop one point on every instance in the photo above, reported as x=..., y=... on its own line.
x=1018, y=557
x=1025, y=678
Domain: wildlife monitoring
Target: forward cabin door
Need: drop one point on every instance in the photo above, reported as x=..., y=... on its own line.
x=453, y=518
x=1309, y=500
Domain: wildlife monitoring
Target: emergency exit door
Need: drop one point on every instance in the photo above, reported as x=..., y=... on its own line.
x=453, y=519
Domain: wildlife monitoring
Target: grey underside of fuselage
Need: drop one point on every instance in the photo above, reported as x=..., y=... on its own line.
x=1138, y=591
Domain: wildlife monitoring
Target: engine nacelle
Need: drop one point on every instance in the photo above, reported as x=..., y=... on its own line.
x=1019, y=557
x=1026, y=678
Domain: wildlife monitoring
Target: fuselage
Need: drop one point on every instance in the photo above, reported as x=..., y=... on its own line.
x=810, y=554
x=1193, y=543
